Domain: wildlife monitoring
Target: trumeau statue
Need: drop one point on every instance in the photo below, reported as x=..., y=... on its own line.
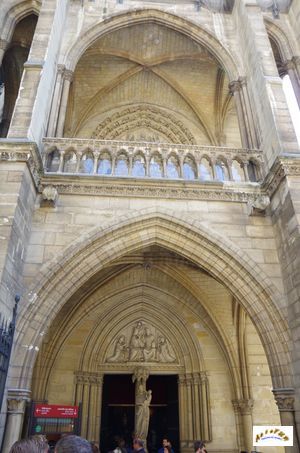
x=141, y=343
x=142, y=402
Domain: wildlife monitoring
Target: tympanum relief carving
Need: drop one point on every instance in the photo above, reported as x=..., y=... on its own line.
x=141, y=343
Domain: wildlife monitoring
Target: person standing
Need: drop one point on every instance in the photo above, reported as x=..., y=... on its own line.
x=199, y=447
x=166, y=445
x=138, y=446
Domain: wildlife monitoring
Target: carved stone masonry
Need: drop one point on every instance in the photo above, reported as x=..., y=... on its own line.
x=142, y=402
x=284, y=399
x=243, y=406
x=3, y=44
x=82, y=377
x=49, y=196
x=141, y=343
x=16, y=400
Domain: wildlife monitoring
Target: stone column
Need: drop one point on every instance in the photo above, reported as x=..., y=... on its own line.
x=235, y=89
x=196, y=395
x=96, y=159
x=253, y=137
x=194, y=409
x=243, y=409
x=246, y=120
x=67, y=79
x=285, y=399
x=88, y=393
x=205, y=408
x=16, y=401
x=292, y=67
x=51, y=131
x=182, y=411
x=189, y=409
x=95, y=407
x=3, y=47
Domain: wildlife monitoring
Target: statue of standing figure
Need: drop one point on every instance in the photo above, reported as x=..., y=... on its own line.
x=142, y=417
x=142, y=403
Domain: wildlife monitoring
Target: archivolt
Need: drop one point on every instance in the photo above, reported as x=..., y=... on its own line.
x=179, y=24
x=17, y=13
x=280, y=36
x=187, y=237
x=157, y=119
x=113, y=318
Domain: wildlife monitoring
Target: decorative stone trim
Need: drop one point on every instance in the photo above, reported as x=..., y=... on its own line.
x=283, y=166
x=34, y=64
x=84, y=377
x=49, y=196
x=3, y=44
x=119, y=187
x=164, y=368
x=22, y=151
x=284, y=399
x=243, y=406
x=16, y=399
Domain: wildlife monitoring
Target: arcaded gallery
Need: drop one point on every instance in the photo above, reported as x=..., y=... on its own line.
x=150, y=221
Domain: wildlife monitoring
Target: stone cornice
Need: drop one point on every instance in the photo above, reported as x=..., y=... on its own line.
x=285, y=165
x=22, y=151
x=150, y=188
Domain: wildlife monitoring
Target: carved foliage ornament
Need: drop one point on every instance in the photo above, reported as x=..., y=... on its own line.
x=141, y=343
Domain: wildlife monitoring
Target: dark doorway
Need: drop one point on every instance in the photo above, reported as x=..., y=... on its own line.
x=164, y=419
x=12, y=69
x=117, y=419
x=118, y=412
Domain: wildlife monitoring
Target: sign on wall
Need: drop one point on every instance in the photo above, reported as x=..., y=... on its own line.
x=55, y=411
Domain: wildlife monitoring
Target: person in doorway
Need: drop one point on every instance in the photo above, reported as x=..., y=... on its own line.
x=138, y=446
x=166, y=446
x=199, y=447
x=73, y=444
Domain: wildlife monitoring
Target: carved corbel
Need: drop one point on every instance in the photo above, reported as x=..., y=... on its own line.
x=49, y=197
x=258, y=205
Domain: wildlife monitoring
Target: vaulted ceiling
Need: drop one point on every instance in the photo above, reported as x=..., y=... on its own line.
x=149, y=82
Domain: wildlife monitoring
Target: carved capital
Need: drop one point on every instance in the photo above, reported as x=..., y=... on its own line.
x=16, y=400
x=3, y=44
x=86, y=378
x=284, y=399
x=235, y=86
x=243, y=81
x=68, y=75
x=203, y=377
x=243, y=406
x=289, y=64
x=296, y=60
x=140, y=373
x=61, y=69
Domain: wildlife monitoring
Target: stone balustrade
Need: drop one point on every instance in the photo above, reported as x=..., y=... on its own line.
x=154, y=160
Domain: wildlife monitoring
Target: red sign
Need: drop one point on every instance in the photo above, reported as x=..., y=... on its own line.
x=55, y=411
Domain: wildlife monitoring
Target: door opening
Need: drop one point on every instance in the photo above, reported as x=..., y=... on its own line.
x=117, y=420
